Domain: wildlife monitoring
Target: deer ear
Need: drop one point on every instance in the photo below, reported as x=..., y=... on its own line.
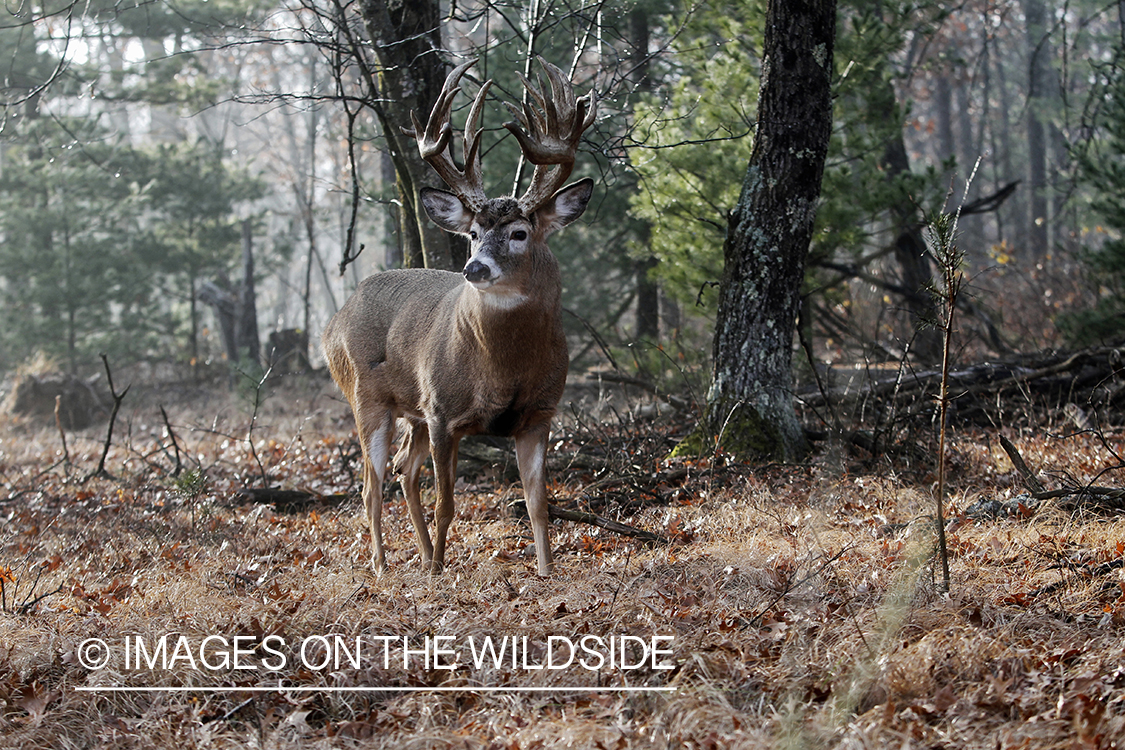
x=565, y=206
x=447, y=210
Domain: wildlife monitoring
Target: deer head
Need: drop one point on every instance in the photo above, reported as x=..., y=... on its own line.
x=548, y=129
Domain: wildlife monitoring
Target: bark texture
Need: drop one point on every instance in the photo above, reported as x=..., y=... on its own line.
x=1043, y=100
x=406, y=38
x=750, y=402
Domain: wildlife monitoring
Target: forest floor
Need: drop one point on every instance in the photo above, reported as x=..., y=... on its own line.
x=785, y=607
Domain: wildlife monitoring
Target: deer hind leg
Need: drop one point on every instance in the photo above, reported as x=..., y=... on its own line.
x=443, y=448
x=408, y=464
x=531, y=456
x=375, y=433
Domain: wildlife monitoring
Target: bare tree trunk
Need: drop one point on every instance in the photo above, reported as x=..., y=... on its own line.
x=750, y=404
x=971, y=231
x=648, y=299
x=648, y=291
x=1039, y=77
x=406, y=37
x=943, y=106
x=224, y=302
x=236, y=308
x=1004, y=155
x=909, y=245
x=966, y=144
x=306, y=198
x=246, y=317
x=193, y=310
x=393, y=248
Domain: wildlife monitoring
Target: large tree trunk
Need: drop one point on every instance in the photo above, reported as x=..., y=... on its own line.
x=648, y=291
x=247, y=336
x=1042, y=94
x=1013, y=231
x=406, y=37
x=912, y=258
x=943, y=107
x=750, y=403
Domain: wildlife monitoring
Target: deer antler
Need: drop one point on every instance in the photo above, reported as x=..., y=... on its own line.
x=435, y=142
x=552, y=132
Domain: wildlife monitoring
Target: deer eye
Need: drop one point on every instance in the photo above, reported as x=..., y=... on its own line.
x=472, y=235
x=519, y=235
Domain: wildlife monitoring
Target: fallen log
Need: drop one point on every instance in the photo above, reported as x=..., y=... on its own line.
x=1081, y=369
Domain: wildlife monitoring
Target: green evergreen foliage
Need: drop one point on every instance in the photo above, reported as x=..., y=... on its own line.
x=182, y=21
x=67, y=213
x=172, y=35
x=695, y=144
x=96, y=232
x=857, y=190
x=1102, y=167
x=104, y=241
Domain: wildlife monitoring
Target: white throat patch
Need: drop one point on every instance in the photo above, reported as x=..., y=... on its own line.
x=502, y=299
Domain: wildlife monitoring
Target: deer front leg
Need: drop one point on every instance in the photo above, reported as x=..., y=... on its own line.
x=443, y=448
x=531, y=455
x=375, y=428
x=408, y=463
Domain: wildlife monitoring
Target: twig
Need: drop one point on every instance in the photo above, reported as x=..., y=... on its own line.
x=62, y=432
x=175, y=445
x=595, y=520
x=5, y=575
x=949, y=257
x=596, y=336
x=27, y=605
x=790, y=586
x=117, y=399
x=623, y=379
x=1109, y=497
x=258, y=400
x=233, y=711
x=1029, y=479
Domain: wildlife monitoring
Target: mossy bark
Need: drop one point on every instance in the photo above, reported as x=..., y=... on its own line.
x=749, y=405
x=750, y=431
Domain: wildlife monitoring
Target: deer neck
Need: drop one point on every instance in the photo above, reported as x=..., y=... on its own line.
x=516, y=320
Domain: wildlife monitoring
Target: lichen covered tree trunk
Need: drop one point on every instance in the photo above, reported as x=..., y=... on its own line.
x=750, y=402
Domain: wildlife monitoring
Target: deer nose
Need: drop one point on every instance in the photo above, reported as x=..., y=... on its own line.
x=476, y=272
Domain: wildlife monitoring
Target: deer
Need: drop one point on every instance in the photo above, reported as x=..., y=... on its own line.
x=477, y=352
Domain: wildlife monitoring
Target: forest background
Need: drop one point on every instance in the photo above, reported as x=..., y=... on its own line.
x=145, y=144
x=181, y=184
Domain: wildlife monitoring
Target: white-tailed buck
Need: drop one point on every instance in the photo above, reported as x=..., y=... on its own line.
x=480, y=351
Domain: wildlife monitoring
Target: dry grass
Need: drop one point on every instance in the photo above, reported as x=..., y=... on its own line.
x=801, y=601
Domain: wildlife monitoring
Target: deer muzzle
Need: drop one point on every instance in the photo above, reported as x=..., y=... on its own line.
x=479, y=273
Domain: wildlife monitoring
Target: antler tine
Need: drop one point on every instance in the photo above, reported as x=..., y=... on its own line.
x=472, y=139
x=549, y=132
x=435, y=140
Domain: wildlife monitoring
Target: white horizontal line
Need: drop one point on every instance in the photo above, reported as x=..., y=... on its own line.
x=366, y=689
